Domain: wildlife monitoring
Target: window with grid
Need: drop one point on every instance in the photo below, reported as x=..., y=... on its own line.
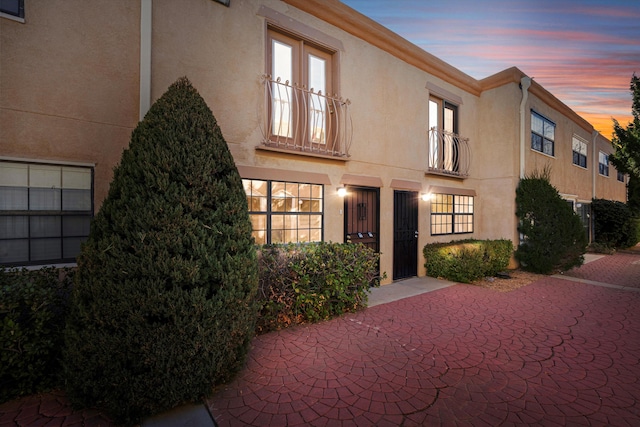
x=285, y=212
x=45, y=212
x=543, y=133
x=603, y=164
x=579, y=152
x=451, y=214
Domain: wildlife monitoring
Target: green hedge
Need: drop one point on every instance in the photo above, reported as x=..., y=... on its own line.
x=300, y=283
x=467, y=260
x=33, y=309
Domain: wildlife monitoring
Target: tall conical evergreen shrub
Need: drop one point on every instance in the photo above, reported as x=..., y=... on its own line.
x=554, y=238
x=163, y=307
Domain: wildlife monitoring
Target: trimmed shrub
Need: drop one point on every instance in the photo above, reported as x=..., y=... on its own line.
x=554, y=238
x=613, y=224
x=164, y=307
x=33, y=307
x=467, y=260
x=301, y=283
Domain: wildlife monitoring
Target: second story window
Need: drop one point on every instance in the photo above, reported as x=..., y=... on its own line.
x=579, y=152
x=448, y=151
x=543, y=134
x=304, y=112
x=603, y=164
x=620, y=177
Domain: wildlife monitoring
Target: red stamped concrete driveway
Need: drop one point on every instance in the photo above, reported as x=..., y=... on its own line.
x=557, y=352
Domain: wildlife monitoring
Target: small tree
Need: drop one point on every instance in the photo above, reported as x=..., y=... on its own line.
x=553, y=237
x=613, y=224
x=163, y=307
x=626, y=141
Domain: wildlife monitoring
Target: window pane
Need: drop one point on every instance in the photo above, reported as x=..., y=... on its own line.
x=44, y=199
x=14, y=250
x=12, y=7
x=46, y=249
x=549, y=130
x=76, y=200
x=315, y=235
x=76, y=226
x=282, y=112
x=71, y=246
x=45, y=176
x=45, y=226
x=536, y=142
x=548, y=147
x=317, y=107
x=14, y=198
x=537, y=124
x=14, y=227
x=78, y=178
x=14, y=174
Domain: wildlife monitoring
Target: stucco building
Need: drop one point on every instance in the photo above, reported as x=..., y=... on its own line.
x=341, y=129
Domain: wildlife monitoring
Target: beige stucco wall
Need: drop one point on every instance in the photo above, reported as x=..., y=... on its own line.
x=222, y=51
x=72, y=95
x=69, y=83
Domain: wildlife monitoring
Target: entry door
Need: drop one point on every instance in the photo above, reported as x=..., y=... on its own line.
x=361, y=219
x=405, y=234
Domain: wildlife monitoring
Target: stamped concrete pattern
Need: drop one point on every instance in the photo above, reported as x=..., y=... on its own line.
x=553, y=353
x=562, y=351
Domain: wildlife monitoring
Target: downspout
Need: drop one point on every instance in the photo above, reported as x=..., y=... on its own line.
x=594, y=174
x=525, y=83
x=145, y=56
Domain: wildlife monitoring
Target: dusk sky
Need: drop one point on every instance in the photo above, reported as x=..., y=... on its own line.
x=582, y=51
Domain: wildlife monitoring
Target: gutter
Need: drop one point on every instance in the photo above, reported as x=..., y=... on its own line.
x=525, y=83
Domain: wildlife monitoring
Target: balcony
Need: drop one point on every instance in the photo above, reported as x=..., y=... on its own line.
x=305, y=121
x=449, y=154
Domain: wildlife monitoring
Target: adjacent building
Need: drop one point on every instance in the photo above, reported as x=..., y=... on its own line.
x=341, y=130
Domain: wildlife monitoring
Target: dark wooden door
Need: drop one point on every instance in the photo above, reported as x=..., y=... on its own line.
x=405, y=234
x=361, y=219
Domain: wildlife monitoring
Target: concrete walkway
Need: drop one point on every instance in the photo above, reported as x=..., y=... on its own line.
x=564, y=350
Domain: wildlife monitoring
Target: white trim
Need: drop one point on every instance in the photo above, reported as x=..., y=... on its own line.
x=46, y=162
x=12, y=17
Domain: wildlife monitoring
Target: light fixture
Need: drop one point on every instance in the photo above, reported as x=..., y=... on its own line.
x=426, y=196
x=342, y=191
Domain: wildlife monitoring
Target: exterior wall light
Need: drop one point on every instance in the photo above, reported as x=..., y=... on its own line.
x=426, y=197
x=342, y=191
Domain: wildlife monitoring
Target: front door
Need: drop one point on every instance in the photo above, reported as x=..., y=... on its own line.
x=361, y=219
x=405, y=234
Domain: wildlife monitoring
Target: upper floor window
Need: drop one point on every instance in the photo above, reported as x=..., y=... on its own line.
x=579, y=152
x=302, y=110
x=12, y=8
x=620, y=176
x=451, y=214
x=448, y=151
x=45, y=212
x=542, y=134
x=284, y=212
x=603, y=164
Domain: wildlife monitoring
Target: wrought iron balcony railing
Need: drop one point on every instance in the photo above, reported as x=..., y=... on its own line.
x=304, y=120
x=449, y=154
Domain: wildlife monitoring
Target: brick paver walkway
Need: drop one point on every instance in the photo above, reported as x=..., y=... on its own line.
x=556, y=352
x=553, y=353
x=621, y=269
